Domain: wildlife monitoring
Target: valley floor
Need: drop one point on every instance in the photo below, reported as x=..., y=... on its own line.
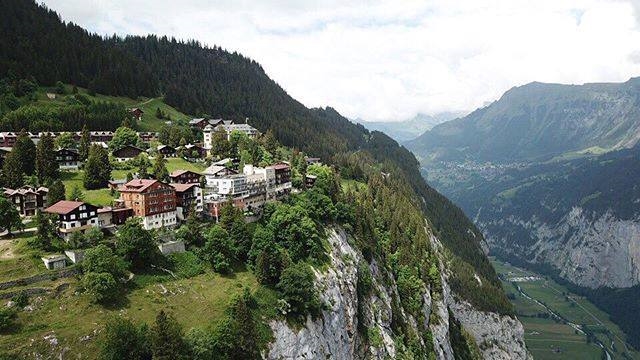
x=557, y=322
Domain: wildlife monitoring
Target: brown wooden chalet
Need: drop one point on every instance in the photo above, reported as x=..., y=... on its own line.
x=137, y=113
x=185, y=177
x=28, y=200
x=166, y=150
x=68, y=158
x=127, y=152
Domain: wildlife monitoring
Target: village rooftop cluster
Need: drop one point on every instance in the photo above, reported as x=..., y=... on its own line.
x=156, y=203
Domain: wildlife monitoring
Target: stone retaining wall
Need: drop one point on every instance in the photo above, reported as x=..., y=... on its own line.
x=40, y=277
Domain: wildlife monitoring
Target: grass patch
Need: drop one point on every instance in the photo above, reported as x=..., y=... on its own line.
x=149, y=122
x=73, y=179
x=196, y=302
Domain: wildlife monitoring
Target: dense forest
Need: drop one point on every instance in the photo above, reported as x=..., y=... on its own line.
x=202, y=80
x=51, y=50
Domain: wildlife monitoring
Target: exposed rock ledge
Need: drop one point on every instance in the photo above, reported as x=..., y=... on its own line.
x=334, y=334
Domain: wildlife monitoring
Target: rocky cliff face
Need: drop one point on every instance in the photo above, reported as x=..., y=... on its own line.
x=588, y=251
x=337, y=334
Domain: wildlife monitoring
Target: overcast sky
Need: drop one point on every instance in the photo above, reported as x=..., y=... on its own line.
x=389, y=60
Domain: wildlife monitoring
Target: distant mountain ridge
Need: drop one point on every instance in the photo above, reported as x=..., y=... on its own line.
x=409, y=129
x=549, y=174
x=538, y=121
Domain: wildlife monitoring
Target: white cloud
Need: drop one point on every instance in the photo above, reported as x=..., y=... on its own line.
x=388, y=60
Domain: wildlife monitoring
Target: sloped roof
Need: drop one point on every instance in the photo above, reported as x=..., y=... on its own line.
x=180, y=172
x=137, y=185
x=279, y=166
x=63, y=207
x=214, y=169
x=183, y=187
x=24, y=190
x=196, y=120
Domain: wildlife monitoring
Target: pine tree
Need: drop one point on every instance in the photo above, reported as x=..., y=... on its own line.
x=46, y=164
x=46, y=231
x=76, y=194
x=9, y=216
x=25, y=150
x=270, y=142
x=12, y=173
x=143, y=166
x=160, y=171
x=56, y=192
x=167, y=341
x=85, y=144
x=97, y=170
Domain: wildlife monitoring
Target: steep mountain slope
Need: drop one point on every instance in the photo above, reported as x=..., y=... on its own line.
x=576, y=216
x=410, y=129
x=538, y=121
x=199, y=80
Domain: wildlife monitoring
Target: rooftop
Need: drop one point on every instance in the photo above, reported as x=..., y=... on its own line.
x=180, y=172
x=137, y=185
x=183, y=187
x=63, y=207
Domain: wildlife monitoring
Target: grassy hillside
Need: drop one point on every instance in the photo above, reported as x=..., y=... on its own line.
x=149, y=120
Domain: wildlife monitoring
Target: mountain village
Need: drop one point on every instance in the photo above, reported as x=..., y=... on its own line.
x=156, y=203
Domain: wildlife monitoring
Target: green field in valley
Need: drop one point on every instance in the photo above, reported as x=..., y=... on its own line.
x=548, y=337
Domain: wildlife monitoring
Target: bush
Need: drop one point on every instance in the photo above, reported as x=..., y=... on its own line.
x=101, y=287
x=297, y=285
x=186, y=264
x=7, y=319
x=21, y=300
x=219, y=249
x=101, y=259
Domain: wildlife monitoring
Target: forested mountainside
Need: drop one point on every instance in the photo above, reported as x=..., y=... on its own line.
x=577, y=219
x=194, y=79
x=199, y=80
x=538, y=121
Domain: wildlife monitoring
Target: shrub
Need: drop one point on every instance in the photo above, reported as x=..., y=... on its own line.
x=101, y=287
x=101, y=259
x=7, y=319
x=186, y=264
x=21, y=300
